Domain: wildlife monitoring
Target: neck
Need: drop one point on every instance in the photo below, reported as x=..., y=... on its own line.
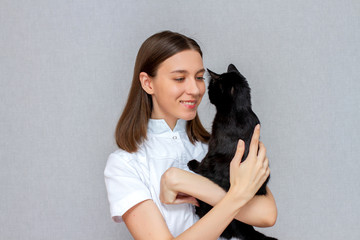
x=170, y=122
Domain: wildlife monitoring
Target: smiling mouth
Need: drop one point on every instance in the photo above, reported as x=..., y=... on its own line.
x=189, y=104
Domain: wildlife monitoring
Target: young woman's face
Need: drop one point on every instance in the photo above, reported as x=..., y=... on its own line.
x=178, y=87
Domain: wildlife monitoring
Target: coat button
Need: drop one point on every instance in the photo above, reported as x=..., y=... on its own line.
x=174, y=137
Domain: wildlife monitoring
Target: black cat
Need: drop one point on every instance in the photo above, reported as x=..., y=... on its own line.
x=234, y=120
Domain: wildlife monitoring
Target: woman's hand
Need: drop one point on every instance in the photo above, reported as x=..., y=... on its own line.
x=168, y=192
x=260, y=211
x=247, y=177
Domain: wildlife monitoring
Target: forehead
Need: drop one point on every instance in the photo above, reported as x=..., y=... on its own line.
x=188, y=60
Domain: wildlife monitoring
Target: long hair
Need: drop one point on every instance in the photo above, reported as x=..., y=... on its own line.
x=132, y=126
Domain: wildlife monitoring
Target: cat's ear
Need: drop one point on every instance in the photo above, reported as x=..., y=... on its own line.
x=232, y=68
x=213, y=75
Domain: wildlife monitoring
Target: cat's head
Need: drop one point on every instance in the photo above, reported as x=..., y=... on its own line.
x=229, y=89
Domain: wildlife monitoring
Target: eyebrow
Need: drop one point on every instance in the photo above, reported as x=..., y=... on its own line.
x=184, y=71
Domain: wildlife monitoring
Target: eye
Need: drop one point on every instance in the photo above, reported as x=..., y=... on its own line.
x=200, y=78
x=179, y=79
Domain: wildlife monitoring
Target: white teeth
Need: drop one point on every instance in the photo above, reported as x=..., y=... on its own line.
x=188, y=103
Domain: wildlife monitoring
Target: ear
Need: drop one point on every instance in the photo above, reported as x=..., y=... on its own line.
x=213, y=75
x=146, y=83
x=232, y=68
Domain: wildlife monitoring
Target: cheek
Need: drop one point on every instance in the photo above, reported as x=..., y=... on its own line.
x=202, y=89
x=170, y=92
x=164, y=88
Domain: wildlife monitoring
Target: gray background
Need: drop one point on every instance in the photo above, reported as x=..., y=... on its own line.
x=65, y=69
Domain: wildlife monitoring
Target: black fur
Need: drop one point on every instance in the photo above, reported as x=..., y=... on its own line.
x=234, y=120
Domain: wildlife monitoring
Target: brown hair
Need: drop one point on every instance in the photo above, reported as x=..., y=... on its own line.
x=132, y=126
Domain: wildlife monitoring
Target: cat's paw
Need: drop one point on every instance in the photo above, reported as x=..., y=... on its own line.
x=193, y=165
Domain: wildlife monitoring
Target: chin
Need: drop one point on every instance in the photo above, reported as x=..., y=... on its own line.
x=188, y=117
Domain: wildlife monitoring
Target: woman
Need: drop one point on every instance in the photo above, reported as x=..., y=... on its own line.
x=149, y=185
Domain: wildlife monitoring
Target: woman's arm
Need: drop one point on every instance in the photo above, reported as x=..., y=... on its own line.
x=145, y=221
x=260, y=211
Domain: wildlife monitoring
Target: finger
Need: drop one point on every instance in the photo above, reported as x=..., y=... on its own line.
x=262, y=151
x=254, y=144
x=186, y=199
x=239, y=152
x=268, y=172
x=261, y=177
x=266, y=163
x=264, y=176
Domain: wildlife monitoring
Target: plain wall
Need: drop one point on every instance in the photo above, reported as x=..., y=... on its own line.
x=65, y=70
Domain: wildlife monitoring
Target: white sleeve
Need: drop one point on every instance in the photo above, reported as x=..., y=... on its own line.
x=124, y=186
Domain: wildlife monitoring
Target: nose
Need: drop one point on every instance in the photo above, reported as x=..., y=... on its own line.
x=193, y=87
